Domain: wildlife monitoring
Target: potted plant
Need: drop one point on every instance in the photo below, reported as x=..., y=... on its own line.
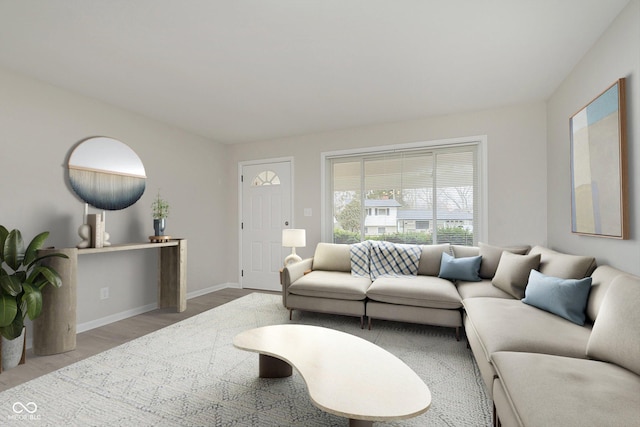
x=22, y=278
x=160, y=208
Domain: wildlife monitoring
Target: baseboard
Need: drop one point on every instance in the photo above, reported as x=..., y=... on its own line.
x=92, y=324
x=86, y=326
x=139, y=310
x=82, y=327
x=210, y=289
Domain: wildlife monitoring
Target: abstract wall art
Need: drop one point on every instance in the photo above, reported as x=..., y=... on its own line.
x=599, y=201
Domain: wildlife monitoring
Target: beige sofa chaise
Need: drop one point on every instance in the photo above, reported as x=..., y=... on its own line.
x=540, y=368
x=590, y=382
x=507, y=324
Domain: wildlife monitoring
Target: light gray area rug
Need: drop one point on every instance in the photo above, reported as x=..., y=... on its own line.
x=189, y=374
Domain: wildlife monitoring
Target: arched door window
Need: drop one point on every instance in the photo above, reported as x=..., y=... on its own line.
x=265, y=178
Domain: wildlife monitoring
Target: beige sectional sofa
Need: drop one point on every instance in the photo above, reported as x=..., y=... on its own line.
x=540, y=368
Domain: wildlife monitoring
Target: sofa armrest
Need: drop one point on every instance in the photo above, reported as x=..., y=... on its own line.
x=292, y=273
x=295, y=271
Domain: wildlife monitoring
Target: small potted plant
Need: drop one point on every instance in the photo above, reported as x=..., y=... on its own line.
x=22, y=278
x=160, y=209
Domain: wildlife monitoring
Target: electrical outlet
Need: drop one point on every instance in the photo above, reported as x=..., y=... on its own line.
x=104, y=293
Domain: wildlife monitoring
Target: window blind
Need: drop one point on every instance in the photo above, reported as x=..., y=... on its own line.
x=426, y=196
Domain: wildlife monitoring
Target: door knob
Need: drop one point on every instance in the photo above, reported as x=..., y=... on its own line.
x=286, y=223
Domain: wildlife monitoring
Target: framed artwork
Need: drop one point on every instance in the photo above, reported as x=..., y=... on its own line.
x=599, y=201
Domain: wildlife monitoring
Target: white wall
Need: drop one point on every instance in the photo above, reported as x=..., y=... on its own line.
x=516, y=169
x=39, y=124
x=615, y=55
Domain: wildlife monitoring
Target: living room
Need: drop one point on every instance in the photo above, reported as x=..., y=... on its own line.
x=528, y=179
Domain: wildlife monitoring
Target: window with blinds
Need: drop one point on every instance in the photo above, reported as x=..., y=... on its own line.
x=421, y=196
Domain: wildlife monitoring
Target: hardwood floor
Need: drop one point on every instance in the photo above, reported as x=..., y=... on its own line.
x=109, y=336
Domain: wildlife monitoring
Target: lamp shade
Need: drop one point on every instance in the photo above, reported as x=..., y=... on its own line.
x=294, y=238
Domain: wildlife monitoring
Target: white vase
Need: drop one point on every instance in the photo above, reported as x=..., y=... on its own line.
x=12, y=351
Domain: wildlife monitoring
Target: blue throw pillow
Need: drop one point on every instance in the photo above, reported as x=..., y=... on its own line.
x=563, y=297
x=466, y=268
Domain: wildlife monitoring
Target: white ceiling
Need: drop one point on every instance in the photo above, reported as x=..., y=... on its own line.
x=248, y=70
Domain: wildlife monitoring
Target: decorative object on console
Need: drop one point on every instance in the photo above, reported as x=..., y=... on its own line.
x=160, y=239
x=84, y=231
x=160, y=208
x=22, y=278
x=99, y=237
x=159, y=224
x=97, y=230
x=105, y=235
x=599, y=201
x=293, y=238
x=93, y=232
x=106, y=173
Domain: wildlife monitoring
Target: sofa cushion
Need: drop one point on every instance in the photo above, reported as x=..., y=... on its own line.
x=601, y=279
x=430, y=258
x=564, y=266
x=491, y=257
x=513, y=272
x=510, y=325
x=462, y=251
x=566, y=298
x=545, y=390
x=332, y=257
x=617, y=328
x=484, y=288
x=466, y=268
x=419, y=291
x=331, y=284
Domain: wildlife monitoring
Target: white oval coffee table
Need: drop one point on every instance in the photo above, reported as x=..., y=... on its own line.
x=345, y=375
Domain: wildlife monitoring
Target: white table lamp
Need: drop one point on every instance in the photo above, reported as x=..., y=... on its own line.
x=293, y=238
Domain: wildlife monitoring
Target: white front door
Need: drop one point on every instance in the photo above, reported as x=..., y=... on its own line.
x=265, y=211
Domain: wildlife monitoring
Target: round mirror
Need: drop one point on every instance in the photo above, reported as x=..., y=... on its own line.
x=106, y=173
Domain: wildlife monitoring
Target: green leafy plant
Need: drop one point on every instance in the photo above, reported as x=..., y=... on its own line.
x=160, y=208
x=22, y=278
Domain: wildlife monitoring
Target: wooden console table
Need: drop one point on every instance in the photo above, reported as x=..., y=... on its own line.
x=55, y=330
